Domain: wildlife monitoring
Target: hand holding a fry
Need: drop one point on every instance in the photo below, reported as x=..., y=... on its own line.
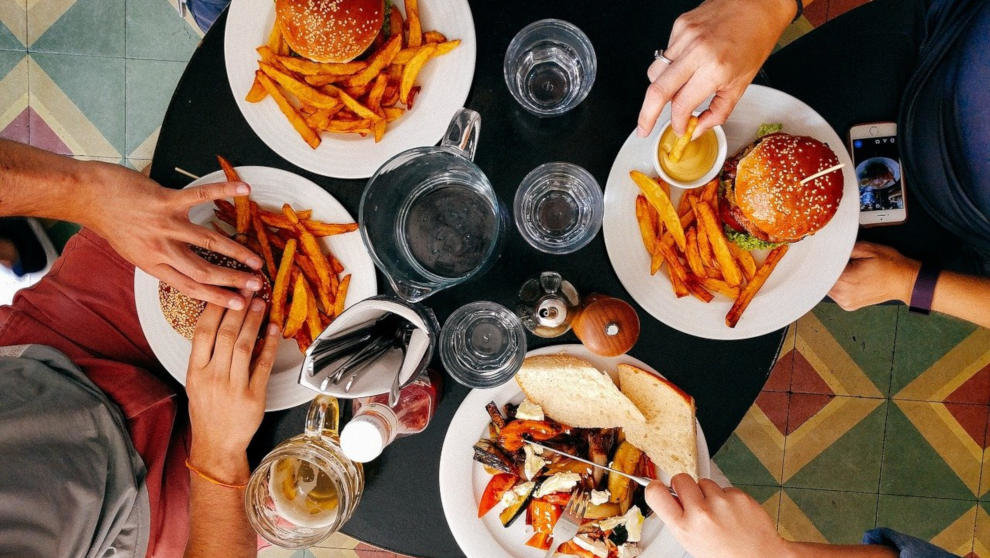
x=149, y=226
x=715, y=48
x=873, y=275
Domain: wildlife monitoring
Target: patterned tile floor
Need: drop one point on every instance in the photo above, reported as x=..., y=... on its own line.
x=876, y=417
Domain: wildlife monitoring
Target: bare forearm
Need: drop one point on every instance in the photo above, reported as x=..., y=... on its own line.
x=36, y=183
x=218, y=524
x=815, y=550
x=963, y=296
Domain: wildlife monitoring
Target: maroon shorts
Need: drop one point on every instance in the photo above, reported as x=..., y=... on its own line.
x=85, y=308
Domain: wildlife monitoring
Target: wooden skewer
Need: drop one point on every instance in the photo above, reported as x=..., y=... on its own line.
x=186, y=173
x=823, y=173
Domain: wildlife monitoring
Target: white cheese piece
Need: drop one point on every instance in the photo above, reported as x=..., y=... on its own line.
x=559, y=482
x=534, y=463
x=517, y=492
x=528, y=410
x=599, y=497
x=628, y=550
x=634, y=524
x=610, y=523
x=598, y=548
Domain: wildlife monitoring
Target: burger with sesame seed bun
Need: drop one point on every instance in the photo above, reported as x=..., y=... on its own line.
x=182, y=312
x=329, y=30
x=763, y=202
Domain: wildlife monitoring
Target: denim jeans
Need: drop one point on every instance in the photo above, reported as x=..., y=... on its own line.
x=205, y=12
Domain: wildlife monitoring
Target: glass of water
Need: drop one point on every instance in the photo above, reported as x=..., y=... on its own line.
x=482, y=344
x=558, y=208
x=550, y=67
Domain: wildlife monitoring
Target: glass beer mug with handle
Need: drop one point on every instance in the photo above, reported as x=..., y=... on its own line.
x=306, y=488
x=430, y=217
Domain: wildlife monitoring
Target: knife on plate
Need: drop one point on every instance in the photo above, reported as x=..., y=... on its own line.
x=642, y=481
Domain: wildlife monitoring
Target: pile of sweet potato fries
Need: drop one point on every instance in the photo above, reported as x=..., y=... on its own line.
x=692, y=234
x=359, y=97
x=308, y=291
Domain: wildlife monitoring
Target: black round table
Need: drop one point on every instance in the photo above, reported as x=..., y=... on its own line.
x=401, y=509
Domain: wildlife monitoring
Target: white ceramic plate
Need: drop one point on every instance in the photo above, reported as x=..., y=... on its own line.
x=270, y=188
x=801, y=279
x=462, y=480
x=446, y=81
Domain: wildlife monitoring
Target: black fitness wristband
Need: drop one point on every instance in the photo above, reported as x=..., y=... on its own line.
x=800, y=6
x=924, y=289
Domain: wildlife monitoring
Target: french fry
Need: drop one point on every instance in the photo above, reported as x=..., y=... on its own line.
x=395, y=23
x=710, y=191
x=308, y=134
x=335, y=264
x=298, y=308
x=300, y=89
x=411, y=99
x=261, y=233
x=673, y=262
x=326, y=79
x=358, y=91
x=242, y=207
x=696, y=290
x=283, y=46
x=705, y=248
x=317, y=228
x=745, y=259
x=310, y=247
x=279, y=221
x=680, y=291
x=377, y=62
x=661, y=201
x=434, y=37
x=374, y=101
x=359, y=109
x=378, y=128
x=341, y=294
x=677, y=151
x=406, y=54
x=684, y=205
x=392, y=114
x=274, y=38
x=413, y=24
x=267, y=54
x=720, y=287
x=281, y=288
x=324, y=296
x=731, y=272
x=303, y=340
x=749, y=291
x=692, y=255
x=411, y=70
x=257, y=92
x=646, y=229
x=343, y=126
x=310, y=68
x=312, y=313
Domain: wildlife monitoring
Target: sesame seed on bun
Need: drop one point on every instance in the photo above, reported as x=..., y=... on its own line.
x=330, y=30
x=768, y=190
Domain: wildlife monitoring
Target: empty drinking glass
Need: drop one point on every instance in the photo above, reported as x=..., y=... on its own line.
x=482, y=344
x=550, y=67
x=558, y=208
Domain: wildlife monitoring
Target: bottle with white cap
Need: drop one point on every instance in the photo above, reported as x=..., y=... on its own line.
x=375, y=425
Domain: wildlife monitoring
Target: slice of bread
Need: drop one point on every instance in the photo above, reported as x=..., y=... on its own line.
x=574, y=392
x=669, y=434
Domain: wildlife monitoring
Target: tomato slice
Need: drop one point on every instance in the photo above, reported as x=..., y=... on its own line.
x=499, y=484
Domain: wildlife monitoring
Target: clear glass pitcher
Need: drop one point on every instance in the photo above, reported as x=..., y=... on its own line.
x=430, y=217
x=306, y=488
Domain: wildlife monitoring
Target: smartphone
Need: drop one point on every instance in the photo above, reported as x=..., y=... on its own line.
x=878, y=170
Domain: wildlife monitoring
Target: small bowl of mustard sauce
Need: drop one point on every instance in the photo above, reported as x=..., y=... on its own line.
x=701, y=161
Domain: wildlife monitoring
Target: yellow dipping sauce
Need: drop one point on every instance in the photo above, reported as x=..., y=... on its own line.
x=699, y=156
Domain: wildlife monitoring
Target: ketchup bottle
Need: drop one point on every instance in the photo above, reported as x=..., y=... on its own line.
x=375, y=425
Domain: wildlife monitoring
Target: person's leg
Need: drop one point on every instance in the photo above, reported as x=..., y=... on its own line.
x=205, y=12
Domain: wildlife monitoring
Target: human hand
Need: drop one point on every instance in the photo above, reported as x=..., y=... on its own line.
x=226, y=389
x=874, y=274
x=710, y=521
x=149, y=226
x=716, y=48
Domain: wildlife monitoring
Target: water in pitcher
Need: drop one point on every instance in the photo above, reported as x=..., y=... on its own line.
x=448, y=229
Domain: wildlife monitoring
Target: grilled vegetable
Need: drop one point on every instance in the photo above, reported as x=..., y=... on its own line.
x=488, y=454
x=511, y=436
x=600, y=443
x=497, y=419
x=494, y=491
x=544, y=515
x=626, y=460
x=515, y=509
x=601, y=511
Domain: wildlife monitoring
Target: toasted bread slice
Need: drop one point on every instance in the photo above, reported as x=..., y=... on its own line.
x=574, y=392
x=669, y=435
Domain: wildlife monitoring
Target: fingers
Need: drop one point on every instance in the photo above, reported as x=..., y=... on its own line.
x=709, y=488
x=215, y=242
x=864, y=250
x=205, y=336
x=227, y=335
x=718, y=110
x=240, y=363
x=262, y=369
x=688, y=491
x=201, y=271
x=687, y=99
x=655, y=69
x=214, y=295
x=659, y=93
x=663, y=502
x=210, y=192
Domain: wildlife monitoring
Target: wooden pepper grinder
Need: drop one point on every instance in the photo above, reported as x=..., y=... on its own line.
x=606, y=325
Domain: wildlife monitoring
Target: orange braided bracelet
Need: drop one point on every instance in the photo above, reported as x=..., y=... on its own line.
x=206, y=477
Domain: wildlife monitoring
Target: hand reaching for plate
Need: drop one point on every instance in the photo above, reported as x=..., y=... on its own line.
x=716, y=48
x=874, y=274
x=149, y=226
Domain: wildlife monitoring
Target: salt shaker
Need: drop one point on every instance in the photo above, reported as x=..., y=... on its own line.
x=548, y=304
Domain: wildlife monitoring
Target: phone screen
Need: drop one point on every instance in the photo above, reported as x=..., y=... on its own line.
x=878, y=169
